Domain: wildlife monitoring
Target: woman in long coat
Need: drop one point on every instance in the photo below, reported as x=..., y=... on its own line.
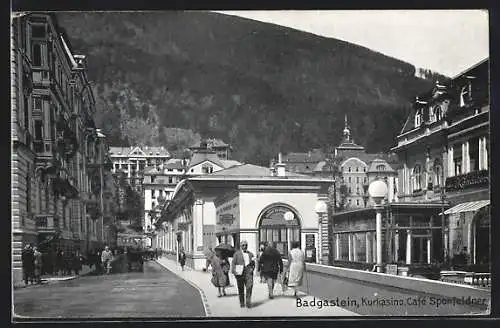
x=220, y=273
x=296, y=267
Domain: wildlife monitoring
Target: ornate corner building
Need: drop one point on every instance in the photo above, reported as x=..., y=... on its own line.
x=58, y=156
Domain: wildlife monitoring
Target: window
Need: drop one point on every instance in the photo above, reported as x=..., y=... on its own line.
x=38, y=31
x=357, y=191
x=357, y=169
x=357, y=179
x=364, y=179
x=349, y=190
x=28, y=191
x=37, y=55
x=37, y=104
x=436, y=114
x=438, y=174
x=418, y=118
x=349, y=179
x=207, y=168
x=380, y=167
x=357, y=202
x=349, y=169
x=38, y=130
x=417, y=177
x=465, y=95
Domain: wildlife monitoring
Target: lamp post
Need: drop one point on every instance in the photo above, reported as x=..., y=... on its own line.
x=289, y=216
x=378, y=191
x=320, y=209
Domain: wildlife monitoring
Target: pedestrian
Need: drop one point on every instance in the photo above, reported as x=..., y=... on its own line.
x=220, y=272
x=209, y=256
x=76, y=263
x=242, y=267
x=259, y=267
x=60, y=262
x=37, y=263
x=271, y=265
x=27, y=259
x=106, y=258
x=296, y=267
x=97, y=260
x=182, y=258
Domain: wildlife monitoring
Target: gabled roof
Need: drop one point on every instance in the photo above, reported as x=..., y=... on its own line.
x=174, y=163
x=203, y=156
x=144, y=151
x=374, y=166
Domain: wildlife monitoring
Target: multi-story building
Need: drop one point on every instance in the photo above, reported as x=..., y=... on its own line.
x=133, y=161
x=444, y=148
x=353, y=168
x=161, y=182
x=53, y=139
x=221, y=149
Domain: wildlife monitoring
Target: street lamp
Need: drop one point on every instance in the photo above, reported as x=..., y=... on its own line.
x=378, y=191
x=320, y=209
x=289, y=216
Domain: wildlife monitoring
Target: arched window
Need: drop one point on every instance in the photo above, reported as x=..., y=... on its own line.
x=380, y=167
x=438, y=173
x=437, y=113
x=417, y=178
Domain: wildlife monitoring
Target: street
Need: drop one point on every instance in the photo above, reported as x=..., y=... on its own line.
x=156, y=292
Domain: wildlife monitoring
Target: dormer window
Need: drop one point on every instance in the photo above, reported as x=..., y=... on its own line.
x=207, y=168
x=418, y=118
x=465, y=94
x=435, y=114
x=380, y=168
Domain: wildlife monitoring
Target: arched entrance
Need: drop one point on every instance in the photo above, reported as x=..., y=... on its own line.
x=273, y=228
x=481, y=237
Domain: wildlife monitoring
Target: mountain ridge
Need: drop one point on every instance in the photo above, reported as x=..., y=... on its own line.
x=260, y=87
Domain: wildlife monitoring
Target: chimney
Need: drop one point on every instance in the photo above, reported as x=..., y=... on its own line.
x=280, y=167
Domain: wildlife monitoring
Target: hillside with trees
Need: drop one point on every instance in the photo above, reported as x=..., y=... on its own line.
x=172, y=78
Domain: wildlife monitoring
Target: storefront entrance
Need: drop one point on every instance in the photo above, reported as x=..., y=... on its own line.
x=273, y=228
x=481, y=245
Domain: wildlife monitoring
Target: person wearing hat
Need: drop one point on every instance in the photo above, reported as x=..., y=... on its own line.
x=243, y=266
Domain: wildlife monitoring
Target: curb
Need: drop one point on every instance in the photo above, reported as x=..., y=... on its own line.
x=204, y=300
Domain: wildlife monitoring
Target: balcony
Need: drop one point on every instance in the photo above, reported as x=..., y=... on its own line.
x=469, y=180
x=47, y=223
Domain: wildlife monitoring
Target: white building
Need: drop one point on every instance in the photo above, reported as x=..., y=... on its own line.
x=244, y=202
x=133, y=160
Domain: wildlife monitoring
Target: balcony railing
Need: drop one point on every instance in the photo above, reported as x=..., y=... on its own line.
x=468, y=180
x=46, y=223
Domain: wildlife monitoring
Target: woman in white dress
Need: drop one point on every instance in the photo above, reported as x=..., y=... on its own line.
x=296, y=267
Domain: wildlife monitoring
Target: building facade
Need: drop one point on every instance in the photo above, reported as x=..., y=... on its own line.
x=444, y=147
x=53, y=139
x=243, y=202
x=134, y=160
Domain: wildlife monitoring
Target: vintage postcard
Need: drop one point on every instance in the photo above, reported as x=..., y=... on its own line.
x=228, y=164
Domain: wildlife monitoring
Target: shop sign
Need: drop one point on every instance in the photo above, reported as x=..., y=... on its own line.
x=226, y=219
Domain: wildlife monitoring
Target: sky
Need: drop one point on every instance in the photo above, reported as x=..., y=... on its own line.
x=445, y=41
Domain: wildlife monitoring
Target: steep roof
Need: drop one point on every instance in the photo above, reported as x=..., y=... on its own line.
x=202, y=156
x=375, y=166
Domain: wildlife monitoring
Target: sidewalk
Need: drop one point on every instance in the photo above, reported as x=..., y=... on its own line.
x=228, y=306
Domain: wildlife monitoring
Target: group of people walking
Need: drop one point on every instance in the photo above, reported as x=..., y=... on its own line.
x=268, y=263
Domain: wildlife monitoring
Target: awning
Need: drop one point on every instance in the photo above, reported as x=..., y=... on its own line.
x=467, y=207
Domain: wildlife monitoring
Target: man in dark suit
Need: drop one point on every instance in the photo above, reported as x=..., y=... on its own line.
x=270, y=264
x=242, y=267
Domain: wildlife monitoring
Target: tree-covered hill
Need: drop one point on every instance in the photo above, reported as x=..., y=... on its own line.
x=170, y=77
